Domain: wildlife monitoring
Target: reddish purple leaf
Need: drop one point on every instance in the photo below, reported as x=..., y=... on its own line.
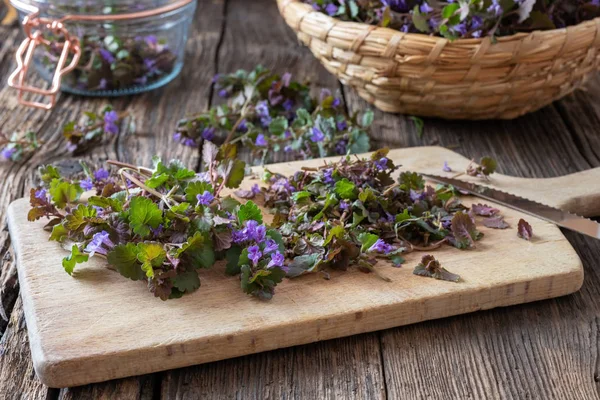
x=524, y=230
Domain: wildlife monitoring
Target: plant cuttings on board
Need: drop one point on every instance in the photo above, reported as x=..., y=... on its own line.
x=268, y=113
x=161, y=224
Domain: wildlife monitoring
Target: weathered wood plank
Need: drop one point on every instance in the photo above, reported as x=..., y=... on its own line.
x=17, y=378
x=255, y=34
x=524, y=351
x=335, y=369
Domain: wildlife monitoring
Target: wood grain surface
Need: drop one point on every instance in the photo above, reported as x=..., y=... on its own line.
x=121, y=330
x=543, y=350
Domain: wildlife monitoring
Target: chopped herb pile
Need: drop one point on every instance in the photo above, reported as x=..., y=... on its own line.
x=160, y=224
x=462, y=18
x=268, y=113
x=110, y=62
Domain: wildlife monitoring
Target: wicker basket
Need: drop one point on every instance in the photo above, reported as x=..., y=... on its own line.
x=462, y=79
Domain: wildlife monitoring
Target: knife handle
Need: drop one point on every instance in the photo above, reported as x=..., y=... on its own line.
x=578, y=193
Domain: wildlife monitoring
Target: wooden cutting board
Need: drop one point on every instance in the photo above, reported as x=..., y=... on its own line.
x=96, y=325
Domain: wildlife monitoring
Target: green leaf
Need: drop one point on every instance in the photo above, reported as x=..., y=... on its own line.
x=360, y=142
x=249, y=211
x=303, y=264
x=278, y=238
x=187, y=282
x=49, y=172
x=232, y=255
x=195, y=188
x=198, y=250
x=105, y=202
x=303, y=118
x=124, y=257
x=278, y=126
x=59, y=232
x=345, y=189
x=411, y=180
x=143, y=215
x=367, y=240
x=449, y=10
x=64, y=193
x=337, y=231
x=367, y=118
x=236, y=174
x=79, y=217
x=76, y=257
x=419, y=125
x=488, y=165
x=151, y=255
x=229, y=204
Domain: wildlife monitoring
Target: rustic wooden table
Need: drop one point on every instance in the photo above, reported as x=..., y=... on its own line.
x=548, y=349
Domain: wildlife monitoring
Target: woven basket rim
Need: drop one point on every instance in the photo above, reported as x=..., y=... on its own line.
x=283, y=4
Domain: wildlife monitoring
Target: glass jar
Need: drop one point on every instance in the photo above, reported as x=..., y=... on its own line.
x=100, y=48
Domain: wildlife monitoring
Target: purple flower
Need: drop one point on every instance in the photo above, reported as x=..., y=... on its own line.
x=288, y=148
x=328, y=176
x=341, y=125
x=381, y=247
x=208, y=133
x=262, y=110
x=331, y=9
x=261, y=141
x=341, y=147
x=41, y=194
x=344, y=205
x=286, y=79
x=95, y=245
x=336, y=102
x=254, y=254
x=86, y=184
x=277, y=260
x=102, y=84
x=242, y=127
x=446, y=167
x=252, y=231
x=282, y=185
x=156, y=232
x=189, y=142
x=110, y=120
x=381, y=164
x=101, y=174
x=416, y=196
x=255, y=188
x=8, y=152
x=177, y=136
x=317, y=135
x=223, y=93
x=495, y=8
x=151, y=40
x=270, y=246
x=205, y=198
x=425, y=8
x=288, y=104
x=107, y=56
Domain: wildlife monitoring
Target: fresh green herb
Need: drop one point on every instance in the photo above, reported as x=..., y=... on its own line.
x=89, y=131
x=462, y=18
x=109, y=62
x=270, y=114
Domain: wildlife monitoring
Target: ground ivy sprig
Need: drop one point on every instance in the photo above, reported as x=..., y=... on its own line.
x=92, y=127
x=18, y=145
x=268, y=113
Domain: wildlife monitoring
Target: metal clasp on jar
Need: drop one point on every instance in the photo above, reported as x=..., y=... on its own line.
x=34, y=27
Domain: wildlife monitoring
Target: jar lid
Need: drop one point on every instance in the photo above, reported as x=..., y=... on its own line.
x=89, y=7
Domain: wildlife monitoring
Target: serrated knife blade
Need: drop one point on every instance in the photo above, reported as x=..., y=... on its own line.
x=550, y=214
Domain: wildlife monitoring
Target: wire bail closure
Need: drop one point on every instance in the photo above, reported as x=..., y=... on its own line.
x=33, y=27
x=70, y=45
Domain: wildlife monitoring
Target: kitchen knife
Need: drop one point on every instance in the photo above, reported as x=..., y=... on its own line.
x=550, y=214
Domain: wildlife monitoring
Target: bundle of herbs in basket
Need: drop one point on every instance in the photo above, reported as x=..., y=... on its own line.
x=460, y=59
